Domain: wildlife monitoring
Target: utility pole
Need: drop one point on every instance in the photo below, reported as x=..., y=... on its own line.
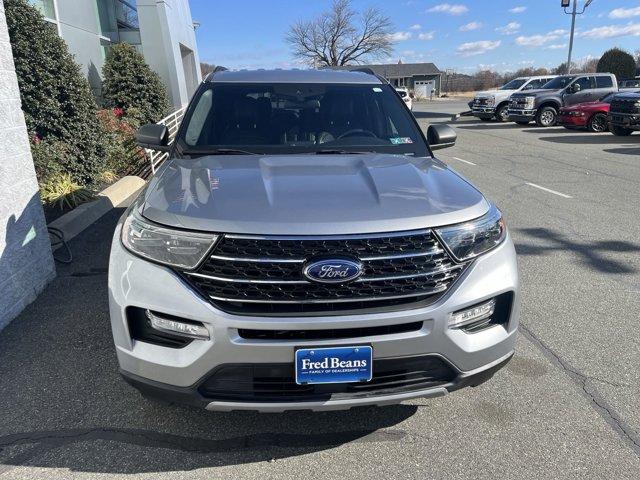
x=573, y=13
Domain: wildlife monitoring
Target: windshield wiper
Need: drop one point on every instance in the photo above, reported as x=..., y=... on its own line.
x=220, y=151
x=341, y=152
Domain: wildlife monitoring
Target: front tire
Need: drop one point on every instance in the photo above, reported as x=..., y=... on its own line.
x=598, y=123
x=547, y=117
x=621, y=131
x=502, y=115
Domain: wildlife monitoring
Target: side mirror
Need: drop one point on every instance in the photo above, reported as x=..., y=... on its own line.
x=441, y=136
x=575, y=88
x=153, y=136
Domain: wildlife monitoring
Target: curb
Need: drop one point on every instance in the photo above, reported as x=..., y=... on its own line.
x=78, y=219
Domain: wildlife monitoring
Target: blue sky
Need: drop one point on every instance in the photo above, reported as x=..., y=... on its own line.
x=464, y=35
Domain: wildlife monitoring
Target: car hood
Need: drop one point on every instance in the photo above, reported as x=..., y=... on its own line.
x=534, y=93
x=587, y=106
x=492, y=93
x=309, y=194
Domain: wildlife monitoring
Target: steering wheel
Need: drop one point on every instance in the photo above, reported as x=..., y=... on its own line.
x=357, y=132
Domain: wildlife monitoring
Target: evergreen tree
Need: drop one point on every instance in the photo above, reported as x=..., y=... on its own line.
x=618, y=62
x=56, y=98
x=129, y=83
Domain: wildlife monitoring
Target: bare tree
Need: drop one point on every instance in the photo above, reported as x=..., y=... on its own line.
x=341, y=36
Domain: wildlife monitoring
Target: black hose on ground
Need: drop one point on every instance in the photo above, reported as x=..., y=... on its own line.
x=57, y=238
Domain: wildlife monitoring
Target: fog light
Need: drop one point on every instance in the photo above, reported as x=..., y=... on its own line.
x=185, y=329
x=474, y=316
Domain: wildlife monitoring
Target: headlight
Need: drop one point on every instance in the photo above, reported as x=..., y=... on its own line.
x=491, y=101
x=468, y=240
x=176, y=248
x=530, y=102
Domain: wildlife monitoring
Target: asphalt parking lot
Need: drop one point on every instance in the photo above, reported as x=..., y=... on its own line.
x=566, y=406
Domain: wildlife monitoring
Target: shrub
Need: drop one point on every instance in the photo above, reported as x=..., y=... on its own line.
x=56, y=99
x=130, y=84
x=122, y=155
x=62, y=191
x=618, y=62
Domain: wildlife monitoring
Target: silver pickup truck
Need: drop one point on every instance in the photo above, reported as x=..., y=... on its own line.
x=495, y=103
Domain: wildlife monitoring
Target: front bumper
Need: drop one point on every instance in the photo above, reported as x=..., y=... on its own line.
x=483, y=112
x=522, y=115
x=625, y=120
x=176, y=373
x=572, y=121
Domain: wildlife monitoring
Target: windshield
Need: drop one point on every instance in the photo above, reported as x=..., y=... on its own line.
x=558, y=83
x=300, y=118
x=513, y=84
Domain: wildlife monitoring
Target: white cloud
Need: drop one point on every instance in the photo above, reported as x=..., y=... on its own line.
x=450, y=9
x=470, y=26
x=518, y=9
x=400, y=36
x=417, y=26
x=540, y=40
x=510, y=28
x=477, y=48
x=612, y=31
x=426, y=35
x=624, y=12
x=556, y=46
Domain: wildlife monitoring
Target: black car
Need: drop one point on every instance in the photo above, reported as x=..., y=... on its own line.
x=624, y=114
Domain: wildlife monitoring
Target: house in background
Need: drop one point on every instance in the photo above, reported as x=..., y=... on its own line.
x=422, y=78
x=162, y=31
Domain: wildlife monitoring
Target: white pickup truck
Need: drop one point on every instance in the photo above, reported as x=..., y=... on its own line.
x=495, y=103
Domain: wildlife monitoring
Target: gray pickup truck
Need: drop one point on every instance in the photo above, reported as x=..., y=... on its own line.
x=544, y=104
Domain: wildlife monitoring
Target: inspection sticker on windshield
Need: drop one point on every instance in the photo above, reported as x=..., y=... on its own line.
x=377, y=89
x=400, y=140
x=333, y=365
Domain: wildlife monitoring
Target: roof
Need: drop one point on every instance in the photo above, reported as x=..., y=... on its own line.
x=293, y=76
x=398, y=69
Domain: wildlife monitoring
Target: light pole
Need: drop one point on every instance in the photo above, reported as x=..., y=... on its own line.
x=565, y=4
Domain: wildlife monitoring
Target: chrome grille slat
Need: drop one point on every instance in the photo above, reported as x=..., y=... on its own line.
x=344, y=300
x=260, y=275
x=298, y=282
x=258, y=260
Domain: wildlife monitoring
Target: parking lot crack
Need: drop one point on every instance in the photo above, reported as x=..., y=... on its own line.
x=589, y=390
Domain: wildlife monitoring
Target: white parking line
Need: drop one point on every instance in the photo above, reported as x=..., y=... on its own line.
x=564, y=195
x=464, y=161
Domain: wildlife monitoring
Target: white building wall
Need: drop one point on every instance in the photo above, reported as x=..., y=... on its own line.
x=167, y=33
x=78, y=26
x=26, y=263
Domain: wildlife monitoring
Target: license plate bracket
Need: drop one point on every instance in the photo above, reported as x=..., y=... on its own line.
x=350, y=364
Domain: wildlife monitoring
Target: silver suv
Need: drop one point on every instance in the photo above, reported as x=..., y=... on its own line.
x=303, y=249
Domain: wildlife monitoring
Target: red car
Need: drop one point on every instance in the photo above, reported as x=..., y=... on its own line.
x=589, y=115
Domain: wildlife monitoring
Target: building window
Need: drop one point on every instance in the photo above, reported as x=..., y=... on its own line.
x=46, y=7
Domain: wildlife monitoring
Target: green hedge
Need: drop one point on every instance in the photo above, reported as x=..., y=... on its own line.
x=58, y=105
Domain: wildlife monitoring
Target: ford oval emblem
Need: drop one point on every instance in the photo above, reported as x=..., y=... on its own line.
x=333, y=270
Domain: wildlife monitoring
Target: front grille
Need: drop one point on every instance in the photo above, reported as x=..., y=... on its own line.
x=519, y=103
x=263, y=275
x=276, y=382
x=629, y=106
x=329, y=334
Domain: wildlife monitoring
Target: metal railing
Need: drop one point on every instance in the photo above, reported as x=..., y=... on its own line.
x=172, y=122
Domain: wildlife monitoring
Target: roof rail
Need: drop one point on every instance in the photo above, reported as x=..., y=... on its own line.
x=217, y=69
x=370, y=72
x=363, y=70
